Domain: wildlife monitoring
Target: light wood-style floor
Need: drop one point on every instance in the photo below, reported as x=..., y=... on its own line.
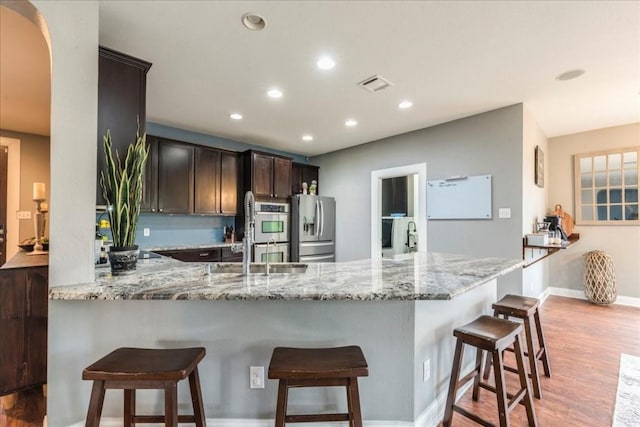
x=584, y=340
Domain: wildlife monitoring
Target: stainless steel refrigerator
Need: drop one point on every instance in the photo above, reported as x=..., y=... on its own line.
x=313, y=228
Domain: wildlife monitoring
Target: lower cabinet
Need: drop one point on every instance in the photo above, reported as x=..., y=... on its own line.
x=223, y=254
x=23, y=328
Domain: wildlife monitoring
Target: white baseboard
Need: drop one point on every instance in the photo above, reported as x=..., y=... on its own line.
x=573, y=293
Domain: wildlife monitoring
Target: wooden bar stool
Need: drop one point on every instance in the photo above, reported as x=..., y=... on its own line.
x=138, y=368
x=318, y=367
x=493, y=335
x=526, y=309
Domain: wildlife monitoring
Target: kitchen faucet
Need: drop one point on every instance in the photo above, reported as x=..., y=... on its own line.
x=271, y=240
x=249, y=225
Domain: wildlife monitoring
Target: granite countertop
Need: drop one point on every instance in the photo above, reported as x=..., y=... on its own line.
x=433, y=276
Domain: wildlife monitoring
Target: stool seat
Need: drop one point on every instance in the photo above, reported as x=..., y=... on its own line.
x=488, y=333
x=318, y=367
x=337, y=362
x=140, y=364
x=130, y=369
x=518, y=305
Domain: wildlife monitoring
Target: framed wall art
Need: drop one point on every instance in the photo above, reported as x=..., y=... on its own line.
x=539, y=167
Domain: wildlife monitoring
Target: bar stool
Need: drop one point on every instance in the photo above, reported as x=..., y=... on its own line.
x=493, y=335
x=318, y=367
x=138, y=368
x=525, y=308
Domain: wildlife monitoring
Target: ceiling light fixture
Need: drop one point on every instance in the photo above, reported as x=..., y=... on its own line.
x=350, y=123
x=405, y=104
x=236, y=116
x=570, y=75
x=326, y=63
x=307, y=138
x=274, y=93
x=253, y=21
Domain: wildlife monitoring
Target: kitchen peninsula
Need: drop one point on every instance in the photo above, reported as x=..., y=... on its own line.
x=400, y=311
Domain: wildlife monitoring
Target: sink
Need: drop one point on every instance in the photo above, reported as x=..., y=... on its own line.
x=274, y=268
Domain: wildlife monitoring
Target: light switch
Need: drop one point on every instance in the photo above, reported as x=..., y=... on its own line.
x=504, y=213
x=23, y=215
x=146, y=232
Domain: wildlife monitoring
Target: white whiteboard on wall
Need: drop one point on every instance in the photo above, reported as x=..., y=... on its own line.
x=459, y=198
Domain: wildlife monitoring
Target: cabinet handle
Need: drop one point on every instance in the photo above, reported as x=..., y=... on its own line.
x=204, y=254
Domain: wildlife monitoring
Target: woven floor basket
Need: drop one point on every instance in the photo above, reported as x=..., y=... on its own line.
x=599, y=278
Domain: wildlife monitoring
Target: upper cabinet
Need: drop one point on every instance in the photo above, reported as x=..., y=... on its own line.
x=267, y=175
x=182, y=178
x=122, y=88
x=303, y=173
x=216, y=182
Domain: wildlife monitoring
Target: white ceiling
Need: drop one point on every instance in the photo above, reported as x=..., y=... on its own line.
x=451, y=58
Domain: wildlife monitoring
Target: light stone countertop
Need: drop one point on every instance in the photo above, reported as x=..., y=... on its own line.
x=432, y=276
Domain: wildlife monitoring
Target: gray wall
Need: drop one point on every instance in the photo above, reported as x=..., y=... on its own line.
x=487, y=143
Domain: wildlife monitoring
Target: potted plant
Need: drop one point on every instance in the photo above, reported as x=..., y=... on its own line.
x=121, y=184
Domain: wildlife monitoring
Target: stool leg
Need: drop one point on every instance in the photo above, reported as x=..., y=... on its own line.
x=522, y=374
x=171, y=404
x=281, y=406
x=453, y=384
x=95, y=404
x=353, y=403
x=129, y=407
x=543, y=344
x=487, y=362
x=196, y=398
x=533, y=363
x=501, y=391
x=478, y=370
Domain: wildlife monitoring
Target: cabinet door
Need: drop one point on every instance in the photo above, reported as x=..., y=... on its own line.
x=194, y=255
x=122, y=82
x=207, y=172
x=12, y=330
x=281, y=178
x=228, y=183
x=36, y=324
x=175, y=177
x=150, y=185
x=262, y=175
x=227, y=255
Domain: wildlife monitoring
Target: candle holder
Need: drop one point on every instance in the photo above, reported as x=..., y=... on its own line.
x=39, y=223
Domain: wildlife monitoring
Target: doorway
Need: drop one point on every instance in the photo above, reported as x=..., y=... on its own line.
x=4, y=157
x=416, y=177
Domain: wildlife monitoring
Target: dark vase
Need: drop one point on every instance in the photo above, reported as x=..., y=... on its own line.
x=123, y=259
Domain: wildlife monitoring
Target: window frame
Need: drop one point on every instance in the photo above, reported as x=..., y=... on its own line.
x=608, y=187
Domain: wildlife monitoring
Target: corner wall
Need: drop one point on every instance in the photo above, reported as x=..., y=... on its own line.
x=622, y=242
x=487, y=143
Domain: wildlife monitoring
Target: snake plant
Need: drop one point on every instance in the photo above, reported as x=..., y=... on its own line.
x=121, y=184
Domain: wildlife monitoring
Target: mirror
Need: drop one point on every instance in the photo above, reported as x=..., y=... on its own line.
x=398, y=214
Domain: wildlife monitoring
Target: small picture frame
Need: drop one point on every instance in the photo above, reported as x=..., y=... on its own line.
x=539, y=167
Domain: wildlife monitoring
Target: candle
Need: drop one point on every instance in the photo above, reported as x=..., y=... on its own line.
x=38, y=191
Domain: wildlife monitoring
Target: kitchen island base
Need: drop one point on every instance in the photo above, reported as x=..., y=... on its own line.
x=397, y=336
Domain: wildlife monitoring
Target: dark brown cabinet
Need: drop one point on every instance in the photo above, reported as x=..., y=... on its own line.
x=175, y=177
x=122, y=88
x=303, y=173
x=227, y=255
x=150, y=185
x=23, y=328
x=221, y=254
x=267, y=175
x=216, y=182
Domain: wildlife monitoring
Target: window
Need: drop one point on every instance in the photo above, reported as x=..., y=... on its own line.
x=606, y=187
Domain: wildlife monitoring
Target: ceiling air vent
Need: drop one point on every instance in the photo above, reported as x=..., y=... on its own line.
x=375, y=83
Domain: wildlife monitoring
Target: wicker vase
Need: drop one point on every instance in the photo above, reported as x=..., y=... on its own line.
x=599, y=278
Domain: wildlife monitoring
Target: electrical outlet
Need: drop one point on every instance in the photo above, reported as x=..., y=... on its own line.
x=146, y=232
x=426, y=370
x=256, y=377
x=23, y=214
x=504, y=213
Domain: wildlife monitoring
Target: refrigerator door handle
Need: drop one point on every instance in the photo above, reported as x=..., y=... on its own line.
x=317, y=219
x=321, y=231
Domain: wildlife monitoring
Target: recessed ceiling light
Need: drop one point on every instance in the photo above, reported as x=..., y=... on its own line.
x=274, y=93
x=570, y=75
x=350, y=123
x=236, y=116
x=307, y=138
x=326, y=63
x=405, y=104
x=253, y=21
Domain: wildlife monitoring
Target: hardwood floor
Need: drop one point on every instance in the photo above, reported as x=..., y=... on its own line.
x=23, y=409
x=584, y=342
